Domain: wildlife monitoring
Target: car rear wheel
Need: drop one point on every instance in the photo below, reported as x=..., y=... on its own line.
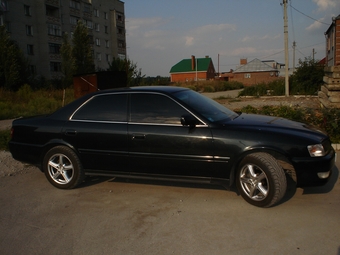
x=261, y=180
x=63, y=168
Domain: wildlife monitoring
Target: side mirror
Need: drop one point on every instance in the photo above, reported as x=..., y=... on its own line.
x=188, y=120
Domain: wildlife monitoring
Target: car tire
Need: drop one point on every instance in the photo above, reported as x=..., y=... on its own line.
x=260, y=180
x=63, y=168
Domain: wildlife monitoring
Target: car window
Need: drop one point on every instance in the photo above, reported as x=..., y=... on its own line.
x=155, y=108
x=111, y=107
x=207, y=107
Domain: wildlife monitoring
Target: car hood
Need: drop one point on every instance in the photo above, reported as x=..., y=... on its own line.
x=259, y=122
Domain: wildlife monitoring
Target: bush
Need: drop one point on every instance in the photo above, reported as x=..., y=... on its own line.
x=274, y=88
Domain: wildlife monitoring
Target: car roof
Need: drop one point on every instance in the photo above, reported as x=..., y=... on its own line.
x=163, y=89
x=70, y=108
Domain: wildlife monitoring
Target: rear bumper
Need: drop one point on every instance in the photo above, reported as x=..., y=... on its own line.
x=313, y=171
x=25, y=153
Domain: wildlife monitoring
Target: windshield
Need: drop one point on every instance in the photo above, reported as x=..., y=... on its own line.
x=207, y=107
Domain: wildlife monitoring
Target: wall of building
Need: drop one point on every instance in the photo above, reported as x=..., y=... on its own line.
x=333, y=43
x=48, y=20
x=253, y=78
x=187, y=77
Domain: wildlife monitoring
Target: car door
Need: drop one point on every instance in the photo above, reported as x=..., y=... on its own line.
x=160, y=144
x=98, y=131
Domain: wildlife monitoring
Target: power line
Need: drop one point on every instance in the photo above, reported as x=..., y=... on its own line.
x=308, y=16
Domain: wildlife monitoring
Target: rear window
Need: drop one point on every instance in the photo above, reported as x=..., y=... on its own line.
x=111, y=107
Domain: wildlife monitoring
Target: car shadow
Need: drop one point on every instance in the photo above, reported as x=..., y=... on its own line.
x=94, y=180
x=328, y=187
x=182, y=184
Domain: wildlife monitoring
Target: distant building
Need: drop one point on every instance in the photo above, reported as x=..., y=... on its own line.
x=253, y=72
x=193, y=69
x=37, y=27
x=333, y=43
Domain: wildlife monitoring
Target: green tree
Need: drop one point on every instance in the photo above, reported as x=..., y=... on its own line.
x=13, y=65
x=307, y=78
x=133, y=74
x=81, y=51
x=67, y=62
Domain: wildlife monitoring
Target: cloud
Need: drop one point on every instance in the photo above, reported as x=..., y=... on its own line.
x=189, y=40
x=326, y=4
x=212, y=28
x=256, y=38
x=243, y=51
x=134, y=25
x=315, y=26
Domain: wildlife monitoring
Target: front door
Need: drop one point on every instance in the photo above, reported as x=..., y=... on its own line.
x=160, y=144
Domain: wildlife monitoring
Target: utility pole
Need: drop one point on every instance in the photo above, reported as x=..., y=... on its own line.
x=218, y=66
x=285, y=18
x=294, y=45
x=314, y=52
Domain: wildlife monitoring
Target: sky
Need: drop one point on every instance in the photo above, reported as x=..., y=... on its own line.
x=160, y=33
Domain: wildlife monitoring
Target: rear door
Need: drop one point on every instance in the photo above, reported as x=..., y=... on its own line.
x=159, y=144
x=98, y=130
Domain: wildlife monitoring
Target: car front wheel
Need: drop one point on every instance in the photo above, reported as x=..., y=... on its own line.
x=261, y=180
x=63, y=168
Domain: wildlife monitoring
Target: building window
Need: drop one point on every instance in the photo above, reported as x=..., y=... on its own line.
x=120, y=30
x=121, y=44
x=54, y=48
x=106, y=30
x=96, y=25
x=32, y=69
x=88, y=23
x=52, y=11
x=96, y=12
x=87, y=8
x=75, y=4
x=73, y=20
x=107, y=58
x=55, y=66
x=107, y=43
x=120, y=17
x=30, y=49
x=247, y=75
x=3, y=6
x=27, y=10
x=98, y=56
x=106, y=16
x=97, y=41
x=29, y=30
x=54, y=30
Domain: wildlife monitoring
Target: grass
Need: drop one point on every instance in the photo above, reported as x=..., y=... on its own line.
x=26, y=102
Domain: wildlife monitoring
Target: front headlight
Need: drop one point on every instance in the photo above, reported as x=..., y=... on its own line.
x=316, y=150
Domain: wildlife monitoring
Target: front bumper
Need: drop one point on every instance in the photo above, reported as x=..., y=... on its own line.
x=314, y=171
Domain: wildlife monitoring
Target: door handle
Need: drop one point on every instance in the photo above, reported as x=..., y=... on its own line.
x=70, y=132
x=138, y=136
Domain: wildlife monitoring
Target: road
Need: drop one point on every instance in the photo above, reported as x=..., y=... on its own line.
x=117, y=216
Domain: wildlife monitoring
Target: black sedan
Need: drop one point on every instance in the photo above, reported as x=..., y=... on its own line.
x=173, y=133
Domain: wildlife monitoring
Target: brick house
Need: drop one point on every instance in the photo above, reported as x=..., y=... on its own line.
x=333, y=43
x=252, y=73
x=193, y=69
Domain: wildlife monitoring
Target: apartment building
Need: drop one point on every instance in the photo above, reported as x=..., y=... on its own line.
x=37, y=27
